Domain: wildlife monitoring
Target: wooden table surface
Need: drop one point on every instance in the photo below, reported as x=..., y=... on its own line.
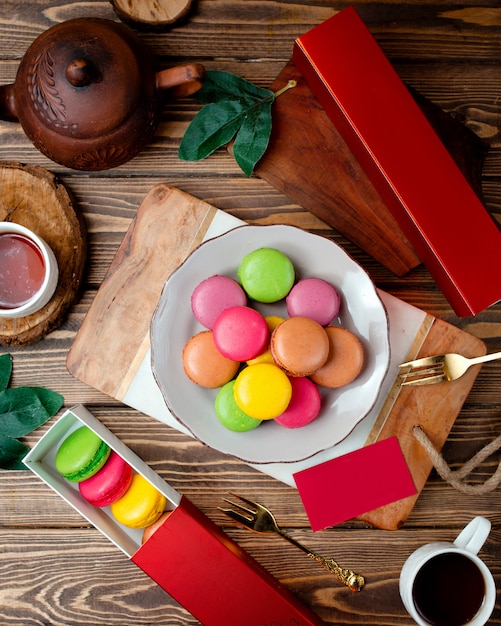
x=54, y=568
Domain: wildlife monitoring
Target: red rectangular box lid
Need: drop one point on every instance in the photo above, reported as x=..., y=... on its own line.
x=446, y=223
x=216, y=580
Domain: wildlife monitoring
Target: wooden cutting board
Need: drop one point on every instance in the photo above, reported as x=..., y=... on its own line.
x=111, y=349
x=308, y=161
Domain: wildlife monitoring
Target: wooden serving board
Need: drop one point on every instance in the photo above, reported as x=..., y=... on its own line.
x=308, y=160
x=32, y=197
x=111, y=351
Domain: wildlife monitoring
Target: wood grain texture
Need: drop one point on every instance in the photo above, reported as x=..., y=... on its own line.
x=433, y=408
x=151, y=14
x=55, y=570
x=118, y=324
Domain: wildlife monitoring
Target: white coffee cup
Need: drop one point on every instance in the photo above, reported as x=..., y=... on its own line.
x=428, y=565
x=50, y=278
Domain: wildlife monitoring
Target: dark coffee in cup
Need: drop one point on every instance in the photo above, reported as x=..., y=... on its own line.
x=448, y=590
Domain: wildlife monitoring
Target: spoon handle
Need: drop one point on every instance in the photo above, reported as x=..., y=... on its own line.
x=486, y=357
x=348, y=577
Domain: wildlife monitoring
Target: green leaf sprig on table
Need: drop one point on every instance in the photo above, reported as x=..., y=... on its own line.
x=22, y=410
x=234, y=108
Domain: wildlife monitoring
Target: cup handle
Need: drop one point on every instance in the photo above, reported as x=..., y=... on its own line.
x=473, y=536
x=181, y=80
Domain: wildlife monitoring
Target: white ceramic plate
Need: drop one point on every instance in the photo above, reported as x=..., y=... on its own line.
x=361, y=311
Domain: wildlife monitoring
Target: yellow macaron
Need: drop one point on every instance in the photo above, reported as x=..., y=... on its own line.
x=140, y=506
x=263, y=391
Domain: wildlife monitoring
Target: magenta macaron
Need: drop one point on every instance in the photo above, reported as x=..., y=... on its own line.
x=241, y=333
x=109, y=484
x=304, y=405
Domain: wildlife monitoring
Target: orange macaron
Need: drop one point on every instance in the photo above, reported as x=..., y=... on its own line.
x=204, y=364
x=300, y=346
x=345, y=360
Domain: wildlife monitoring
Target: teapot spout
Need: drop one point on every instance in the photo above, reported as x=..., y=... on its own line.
x=182, y=80
x=8, y=104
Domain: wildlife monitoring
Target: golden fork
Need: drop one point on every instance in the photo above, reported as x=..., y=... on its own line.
x=258, y=518
x=436, y=369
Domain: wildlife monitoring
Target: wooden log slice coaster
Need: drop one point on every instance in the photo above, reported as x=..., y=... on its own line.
x=151, y=14
x=32, y=197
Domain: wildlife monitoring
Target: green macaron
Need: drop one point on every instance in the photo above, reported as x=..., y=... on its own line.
x=266, y=274
x=230, y=414
x=81, y=455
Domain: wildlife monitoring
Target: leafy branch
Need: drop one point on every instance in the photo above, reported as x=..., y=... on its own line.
x=22, y=410
x=234, y=109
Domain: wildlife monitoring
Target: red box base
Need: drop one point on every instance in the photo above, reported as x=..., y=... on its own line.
x=213, y=578
x=438, y=211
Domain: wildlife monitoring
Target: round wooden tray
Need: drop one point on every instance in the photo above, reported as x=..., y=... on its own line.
x=32, y=197
x=151, y=14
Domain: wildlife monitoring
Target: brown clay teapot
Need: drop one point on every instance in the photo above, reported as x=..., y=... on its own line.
x=88, y=96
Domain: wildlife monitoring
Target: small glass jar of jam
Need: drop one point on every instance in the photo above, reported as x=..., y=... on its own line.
x=28, y=271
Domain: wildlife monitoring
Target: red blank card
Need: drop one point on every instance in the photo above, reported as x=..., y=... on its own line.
x=354, y=483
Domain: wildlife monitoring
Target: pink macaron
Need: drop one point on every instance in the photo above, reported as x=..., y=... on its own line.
x=213, y=295
x=304, y=405
x=109, y=484
x=241, y=333
x=314, y=298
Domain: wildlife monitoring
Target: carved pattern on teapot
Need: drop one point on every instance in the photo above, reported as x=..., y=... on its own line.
x=43, y=92
x=110, y=156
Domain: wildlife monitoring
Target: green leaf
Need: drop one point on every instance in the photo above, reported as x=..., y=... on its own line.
x=233, y=107
x=23, y=409
x=12, y=452
x=220, y=85
x=253, y=137
x=214, y=126
x=5, y=370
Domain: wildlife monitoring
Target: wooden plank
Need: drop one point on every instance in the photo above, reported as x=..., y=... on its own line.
x=92, y=582
x=451, y=54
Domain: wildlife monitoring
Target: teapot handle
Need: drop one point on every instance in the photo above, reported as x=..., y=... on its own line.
x=8, y=104
x=181, y=80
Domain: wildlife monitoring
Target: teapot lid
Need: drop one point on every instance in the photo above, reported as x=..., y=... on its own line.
x=83, y=77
